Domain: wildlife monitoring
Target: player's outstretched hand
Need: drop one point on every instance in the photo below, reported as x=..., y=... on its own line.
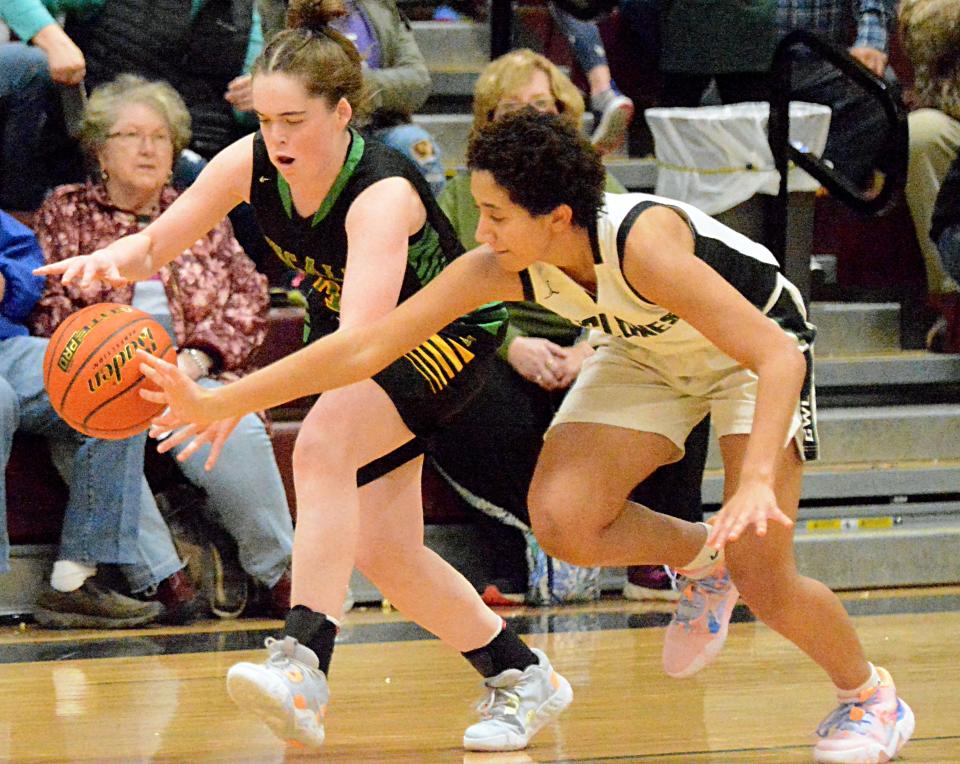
x=754, y=503
x=84, y=270
x=187, y=416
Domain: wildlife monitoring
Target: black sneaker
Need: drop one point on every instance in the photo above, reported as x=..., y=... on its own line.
x=92, y=606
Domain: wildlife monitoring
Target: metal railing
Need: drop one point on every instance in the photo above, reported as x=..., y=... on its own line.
x=893, y=151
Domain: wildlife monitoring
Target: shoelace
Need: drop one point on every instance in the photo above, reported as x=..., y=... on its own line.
x=848, y=716
x=692, y=602
x=277, y=658
x=496, y=703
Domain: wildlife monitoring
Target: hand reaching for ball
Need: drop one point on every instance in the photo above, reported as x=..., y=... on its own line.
x=188, y=416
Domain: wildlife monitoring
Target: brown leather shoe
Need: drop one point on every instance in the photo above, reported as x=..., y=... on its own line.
x=181, y=601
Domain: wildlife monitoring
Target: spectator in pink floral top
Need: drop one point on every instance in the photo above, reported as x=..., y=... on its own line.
x=213, y=302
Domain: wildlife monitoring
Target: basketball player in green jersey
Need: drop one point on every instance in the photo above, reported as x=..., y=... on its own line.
x=696, y=318
x=360, y=221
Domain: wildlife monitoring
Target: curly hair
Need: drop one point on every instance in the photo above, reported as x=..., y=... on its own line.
x=542, y=161
x=106, y=101
x=930, y=30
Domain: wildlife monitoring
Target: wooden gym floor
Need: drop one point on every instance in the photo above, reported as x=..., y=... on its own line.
x=157, y=695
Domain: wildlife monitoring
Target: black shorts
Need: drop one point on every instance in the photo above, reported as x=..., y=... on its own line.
x=433, y=382
x=430, y=385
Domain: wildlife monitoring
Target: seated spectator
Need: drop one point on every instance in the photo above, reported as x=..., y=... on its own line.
x=612, y=110
x=489, y=452
x=27, y=75
x=105, y=476
x=945, y=231
x=930, y=30
x=213, y=303
x=396, y=76
x=857, y=122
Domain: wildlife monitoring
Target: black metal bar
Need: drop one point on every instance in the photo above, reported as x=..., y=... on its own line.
x=893, y=151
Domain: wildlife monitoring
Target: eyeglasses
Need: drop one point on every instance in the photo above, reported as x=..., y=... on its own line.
x=544, y=105
x=133, y=139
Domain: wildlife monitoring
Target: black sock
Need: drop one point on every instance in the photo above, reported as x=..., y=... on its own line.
x=313, y=630
x=504, y=651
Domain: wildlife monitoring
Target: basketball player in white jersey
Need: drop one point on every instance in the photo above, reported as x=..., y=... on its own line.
x=694, y=318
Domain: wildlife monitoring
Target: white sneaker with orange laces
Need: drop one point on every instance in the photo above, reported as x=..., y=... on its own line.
x=870, y=730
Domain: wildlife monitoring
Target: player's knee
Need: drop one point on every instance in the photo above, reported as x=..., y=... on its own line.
x=315, y=451
x=763, y=589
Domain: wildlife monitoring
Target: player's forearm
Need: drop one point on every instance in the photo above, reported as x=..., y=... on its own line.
x=337, y=360
x=778, y=390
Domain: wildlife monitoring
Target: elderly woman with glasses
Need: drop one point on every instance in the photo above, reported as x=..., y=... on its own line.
x=540, y=358
x=213, y=303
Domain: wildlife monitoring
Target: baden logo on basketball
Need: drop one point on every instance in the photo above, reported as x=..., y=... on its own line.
x=113, y=370
x=72, y=345
x=91, y=371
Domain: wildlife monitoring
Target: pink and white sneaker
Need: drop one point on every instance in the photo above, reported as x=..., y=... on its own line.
x=870, y=730
x=699, y=626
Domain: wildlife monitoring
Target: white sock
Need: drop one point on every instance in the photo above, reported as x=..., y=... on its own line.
x=69, y=575
x=853, y=696
x=701, y=565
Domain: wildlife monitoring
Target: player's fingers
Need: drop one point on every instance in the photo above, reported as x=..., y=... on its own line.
x=70, y=273
x=201, y=440
x=154, y=396
x=215, y=448
x=50, y=269
x=717, y=537
x=159, y=371
x=761, y=526
x=780, y=517
x=176, y=438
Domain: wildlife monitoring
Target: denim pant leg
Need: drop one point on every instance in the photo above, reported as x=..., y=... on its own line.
x=949, y=246
x=245, y=496
x=9, y=421
x=584, y=38
x=414, y=142
x=25, y=92
x=157, y=557
x=104, y=476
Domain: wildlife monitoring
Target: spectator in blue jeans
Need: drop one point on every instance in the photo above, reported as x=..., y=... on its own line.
x=213, y=304
x=612, y=110
x=105, y=476
x=25, y=88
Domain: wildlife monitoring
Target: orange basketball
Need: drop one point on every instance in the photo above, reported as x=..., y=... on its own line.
x=91, y=372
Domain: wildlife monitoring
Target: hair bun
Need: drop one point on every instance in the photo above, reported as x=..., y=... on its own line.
x=313, y=14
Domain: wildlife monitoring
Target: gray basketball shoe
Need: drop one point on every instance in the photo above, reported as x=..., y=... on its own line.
x=287, y=691
x=519, y=705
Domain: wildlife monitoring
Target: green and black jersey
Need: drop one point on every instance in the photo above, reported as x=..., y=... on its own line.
x=434, y=381
x=318, y=245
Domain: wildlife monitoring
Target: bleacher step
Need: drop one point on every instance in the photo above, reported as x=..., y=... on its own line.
x=882, y=434
x=453, y=45
x=886, y=369
x=856, y=327
x=842, y=482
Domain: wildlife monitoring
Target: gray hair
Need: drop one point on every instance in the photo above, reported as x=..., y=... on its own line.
x=105, y=103
x=930, y=31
